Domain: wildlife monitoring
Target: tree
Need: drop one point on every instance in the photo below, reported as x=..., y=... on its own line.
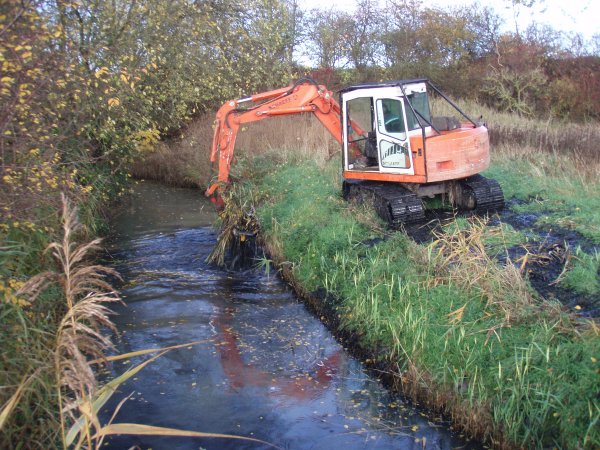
x=327, y=30
x=362, y=41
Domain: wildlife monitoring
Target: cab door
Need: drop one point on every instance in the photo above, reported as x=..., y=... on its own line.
x=393, y=142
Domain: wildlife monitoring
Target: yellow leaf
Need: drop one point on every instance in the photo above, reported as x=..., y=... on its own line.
x=114, y=102
x=101, y=72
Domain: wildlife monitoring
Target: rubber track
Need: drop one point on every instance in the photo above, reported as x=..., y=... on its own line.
x=394, y=203
x=487, y=192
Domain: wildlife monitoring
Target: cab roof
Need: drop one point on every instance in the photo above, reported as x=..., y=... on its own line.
x=378, y=84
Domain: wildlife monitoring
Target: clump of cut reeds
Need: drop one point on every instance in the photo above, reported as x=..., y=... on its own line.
x=237, y=220
x=460, y=256
x=239, y=197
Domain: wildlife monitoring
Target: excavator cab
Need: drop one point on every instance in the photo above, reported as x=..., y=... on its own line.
x=378, y=122
x=395, y=152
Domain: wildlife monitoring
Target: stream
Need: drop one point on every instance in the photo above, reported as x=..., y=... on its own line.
x=265, y=367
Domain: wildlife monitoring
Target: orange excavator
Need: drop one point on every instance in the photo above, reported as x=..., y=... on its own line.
x=394, y=152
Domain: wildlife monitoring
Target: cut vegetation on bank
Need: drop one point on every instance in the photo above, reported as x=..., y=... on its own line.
x=460, y=330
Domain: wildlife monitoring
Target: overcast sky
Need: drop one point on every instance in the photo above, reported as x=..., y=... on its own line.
x=582, y=16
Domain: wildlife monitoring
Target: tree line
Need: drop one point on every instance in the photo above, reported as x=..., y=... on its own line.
x=468, y=50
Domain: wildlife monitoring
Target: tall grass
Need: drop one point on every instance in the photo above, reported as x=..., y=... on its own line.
x=183, y=160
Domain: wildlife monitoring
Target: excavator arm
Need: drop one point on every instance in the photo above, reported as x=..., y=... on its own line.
x=304, y=96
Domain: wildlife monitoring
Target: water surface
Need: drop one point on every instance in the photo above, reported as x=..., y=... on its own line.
x=266, y=367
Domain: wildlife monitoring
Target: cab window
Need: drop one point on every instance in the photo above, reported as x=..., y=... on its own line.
x=420, y=102
x=390, y=118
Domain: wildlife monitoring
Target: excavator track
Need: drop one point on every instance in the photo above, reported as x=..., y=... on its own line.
x=394, y=203
x=482, y=194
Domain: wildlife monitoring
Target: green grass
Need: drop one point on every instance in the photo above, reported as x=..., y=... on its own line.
x=507, y=367
x=583, y=276
x=550, y=187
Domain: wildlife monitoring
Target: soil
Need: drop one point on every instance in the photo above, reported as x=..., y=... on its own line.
x=552, y=247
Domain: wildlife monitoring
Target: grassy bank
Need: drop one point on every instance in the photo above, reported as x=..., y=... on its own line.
x=556, y=198
x=554, y=191
x=461, y=332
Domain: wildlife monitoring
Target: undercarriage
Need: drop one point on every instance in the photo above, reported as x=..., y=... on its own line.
x=398, y=203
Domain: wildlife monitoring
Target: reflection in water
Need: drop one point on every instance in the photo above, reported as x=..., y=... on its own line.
x=268, y=370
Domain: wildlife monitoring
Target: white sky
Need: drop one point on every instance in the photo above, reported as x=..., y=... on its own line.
x=582, y=16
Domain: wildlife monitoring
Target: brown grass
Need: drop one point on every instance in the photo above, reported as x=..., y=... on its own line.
x=461, y=257
x=510, y=133
x=184, y=160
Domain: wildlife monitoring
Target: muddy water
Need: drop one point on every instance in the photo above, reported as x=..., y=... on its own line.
x=266, y=368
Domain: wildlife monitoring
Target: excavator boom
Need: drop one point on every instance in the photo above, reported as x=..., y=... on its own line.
x=304, y=96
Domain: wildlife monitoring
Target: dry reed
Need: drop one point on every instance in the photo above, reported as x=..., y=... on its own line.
x=184, y=160
x=79, y=336
x=460, y=257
